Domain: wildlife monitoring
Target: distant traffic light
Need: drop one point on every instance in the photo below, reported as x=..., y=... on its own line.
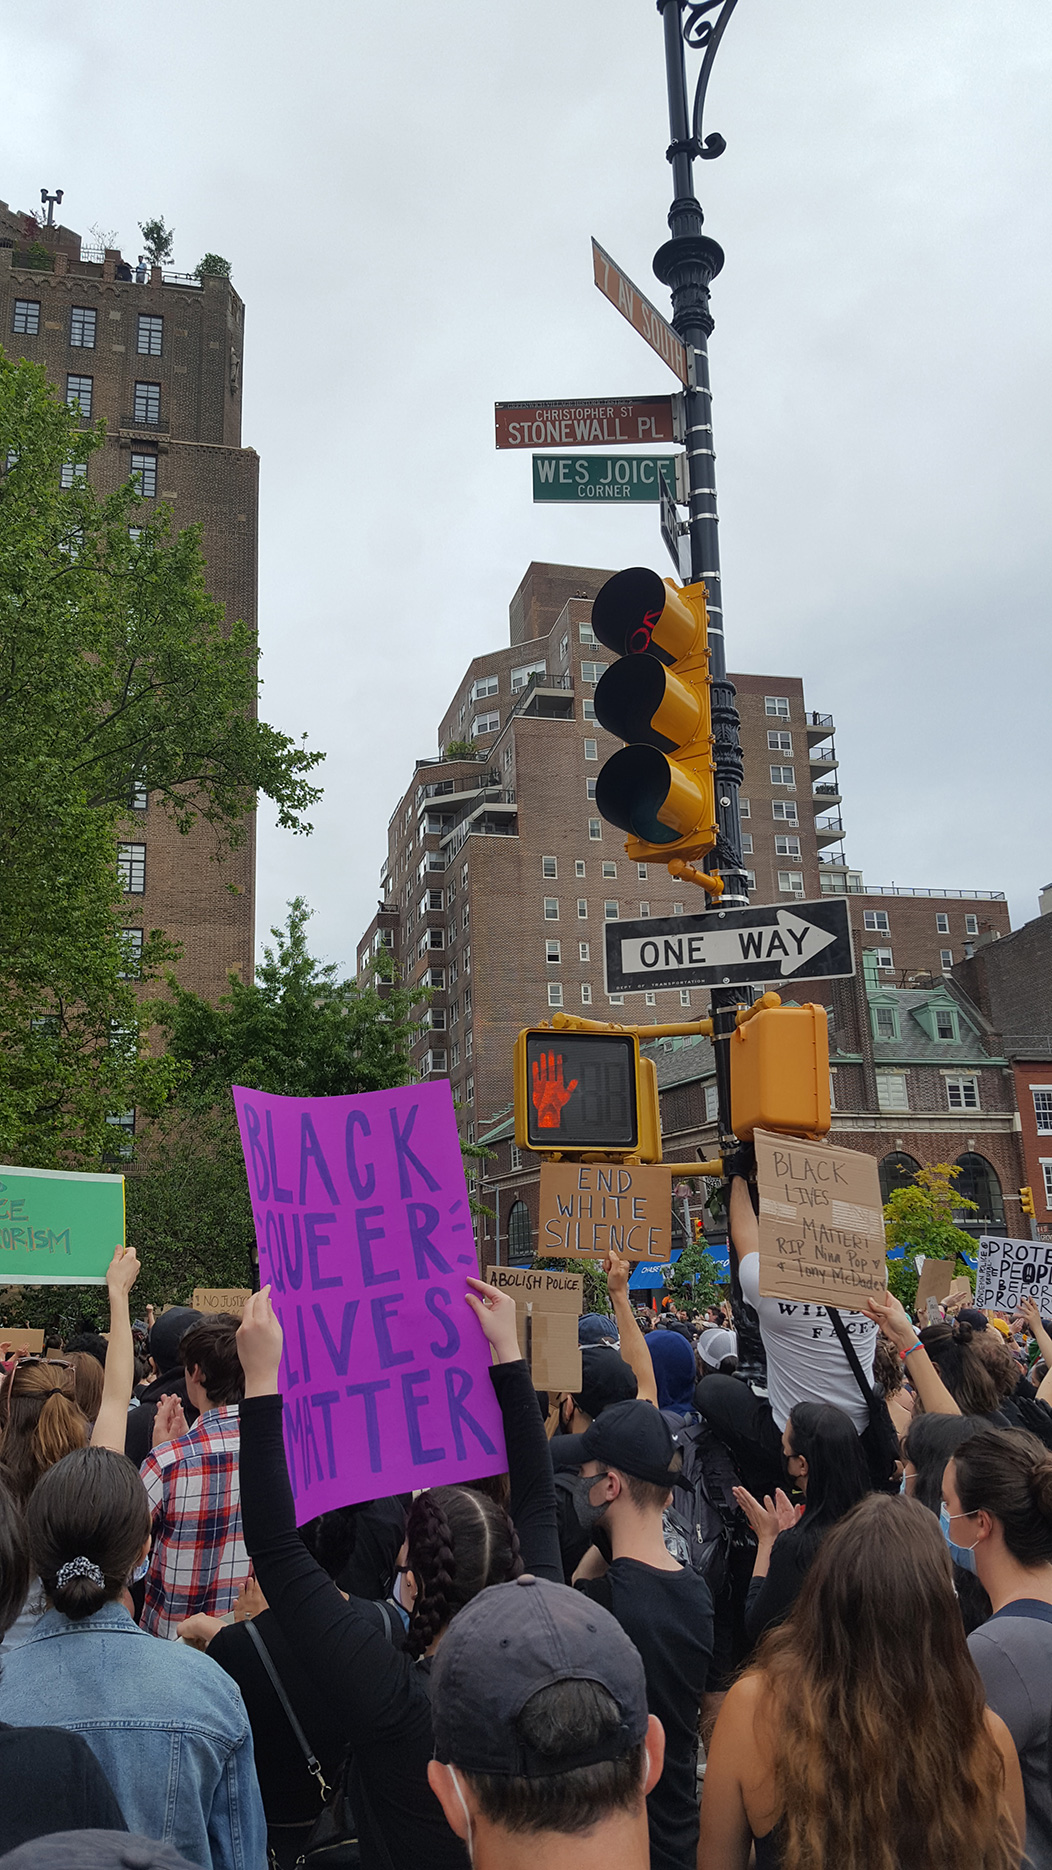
x=1026, y=1198
x=660, y=787
x=577, y=1091
x=780, y=1072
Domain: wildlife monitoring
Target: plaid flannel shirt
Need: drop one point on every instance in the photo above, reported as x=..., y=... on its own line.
x=198, y=1561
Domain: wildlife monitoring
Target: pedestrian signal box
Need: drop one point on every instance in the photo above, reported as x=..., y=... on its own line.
x=585, y=1092
x=780, y=1072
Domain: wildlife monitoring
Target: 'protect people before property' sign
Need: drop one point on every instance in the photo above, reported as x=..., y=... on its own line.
x=58, y=1227
x=1010, y=1270
x=365, y=1237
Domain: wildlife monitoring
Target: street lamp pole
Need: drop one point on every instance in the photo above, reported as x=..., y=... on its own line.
x=687, y=264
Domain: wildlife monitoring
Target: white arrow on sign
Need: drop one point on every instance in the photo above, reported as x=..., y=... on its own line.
x=782, y=948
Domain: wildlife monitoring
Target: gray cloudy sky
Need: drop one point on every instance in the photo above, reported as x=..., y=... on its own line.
x=407, y=194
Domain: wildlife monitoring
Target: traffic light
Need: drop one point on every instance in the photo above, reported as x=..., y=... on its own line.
x=1026, y=1198
x=780, y=1072
x=585, y=1091
x=660, y=787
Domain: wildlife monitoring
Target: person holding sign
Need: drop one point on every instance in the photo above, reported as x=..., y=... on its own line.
x=458, y=1541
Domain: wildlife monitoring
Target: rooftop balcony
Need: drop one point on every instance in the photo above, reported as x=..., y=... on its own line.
x=828, y=831
x=817, y=727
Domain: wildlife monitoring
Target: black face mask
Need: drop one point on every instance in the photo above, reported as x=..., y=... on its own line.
x=579, y=1487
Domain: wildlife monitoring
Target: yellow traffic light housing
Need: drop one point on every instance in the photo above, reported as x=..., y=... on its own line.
x=780, y=1072
x=660, y=788
x=1026, y=1197
x=584, y=1093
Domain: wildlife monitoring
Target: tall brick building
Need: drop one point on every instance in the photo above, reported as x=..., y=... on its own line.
x=160, y=359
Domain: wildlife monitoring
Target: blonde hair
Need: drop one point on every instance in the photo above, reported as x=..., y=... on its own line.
x=41, y=1423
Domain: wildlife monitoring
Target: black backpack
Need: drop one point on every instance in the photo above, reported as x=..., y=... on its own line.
x=704, y=1521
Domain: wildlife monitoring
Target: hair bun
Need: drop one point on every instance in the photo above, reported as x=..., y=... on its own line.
x=1041, y=1486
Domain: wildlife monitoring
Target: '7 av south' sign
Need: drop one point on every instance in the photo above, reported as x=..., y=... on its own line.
x=731, y=947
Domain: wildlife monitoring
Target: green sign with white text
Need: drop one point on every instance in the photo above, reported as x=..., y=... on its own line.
x=58, y=1228
x=596, y=478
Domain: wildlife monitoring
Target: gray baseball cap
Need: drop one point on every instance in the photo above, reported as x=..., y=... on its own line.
x=95, y=1850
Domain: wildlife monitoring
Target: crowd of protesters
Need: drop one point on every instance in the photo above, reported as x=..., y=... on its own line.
x=773, y=1586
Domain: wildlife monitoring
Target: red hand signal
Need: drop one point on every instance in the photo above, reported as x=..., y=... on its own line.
x=550, y=1094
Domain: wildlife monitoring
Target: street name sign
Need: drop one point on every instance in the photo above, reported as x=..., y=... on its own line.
x=618, y=421
x=601, y=477
x=731, y=947
x=642, y=316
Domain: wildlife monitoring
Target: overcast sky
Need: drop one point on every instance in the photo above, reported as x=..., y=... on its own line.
x=407, y=195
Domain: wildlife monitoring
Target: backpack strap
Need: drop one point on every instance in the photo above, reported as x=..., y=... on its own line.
x=276, y=1683
x=872, y=1403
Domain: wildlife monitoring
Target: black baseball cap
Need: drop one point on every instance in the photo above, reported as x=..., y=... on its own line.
x=631, y=1436
x=605, y=1379
x=507, y=1644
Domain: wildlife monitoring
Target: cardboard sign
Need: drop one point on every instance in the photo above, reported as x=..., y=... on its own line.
x=12, y=1339
x=365, y=1237
x=590, y=1209
x=936, y=1279
x=821, y=1224
x=213, y=1299
x=547, y=1307
x=58, y=1228
x=1013, y=1269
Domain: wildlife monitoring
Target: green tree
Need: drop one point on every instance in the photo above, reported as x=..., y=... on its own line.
x=116, y=671
x=212, y=266
x=461, y=750
x=922, y=1219
x=696, y=1279
x=158, y=240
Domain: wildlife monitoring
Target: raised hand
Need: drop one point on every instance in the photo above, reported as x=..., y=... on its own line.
x=495, y=1311
x=768, y=1520
x=169, y=1422
x=259, y=1345
x=892, y=1318
x=617, y=1267
x=550, y=1094
x=249, y=1602
x=122, y=1271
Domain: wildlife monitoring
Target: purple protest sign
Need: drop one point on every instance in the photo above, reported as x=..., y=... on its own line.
x=365, y=1235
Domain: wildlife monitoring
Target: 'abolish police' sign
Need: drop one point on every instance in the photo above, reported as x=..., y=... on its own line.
x=1010, y=1270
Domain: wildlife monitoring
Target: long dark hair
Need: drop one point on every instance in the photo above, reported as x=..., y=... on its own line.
x=953, y=1352
x=14, y=1561
x=91, y=1505
x=929, y=1444
x=459, y=1541
x=838, y=1475
x=874, y=1631
x=1008, y=1473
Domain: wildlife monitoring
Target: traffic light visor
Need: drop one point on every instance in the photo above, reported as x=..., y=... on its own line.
x=636, y=613
x=638, y=699
x=642, y=792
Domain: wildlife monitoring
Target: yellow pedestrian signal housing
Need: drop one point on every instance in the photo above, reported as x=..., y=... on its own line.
x=660, y=787
x=780, y=1072
x=1026, y=1197
x=585, y=1093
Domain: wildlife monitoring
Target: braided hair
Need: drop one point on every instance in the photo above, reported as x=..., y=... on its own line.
x=459, y=1542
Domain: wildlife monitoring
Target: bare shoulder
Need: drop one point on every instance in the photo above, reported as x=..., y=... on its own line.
x=737, y=1716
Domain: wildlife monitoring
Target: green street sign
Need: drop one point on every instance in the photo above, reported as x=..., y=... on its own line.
x=58, y=1228
x=595, y=478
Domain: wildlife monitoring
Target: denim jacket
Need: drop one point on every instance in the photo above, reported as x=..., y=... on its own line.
x=166, y=1724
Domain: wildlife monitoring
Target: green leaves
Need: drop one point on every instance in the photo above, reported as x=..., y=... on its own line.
x=921, y=1219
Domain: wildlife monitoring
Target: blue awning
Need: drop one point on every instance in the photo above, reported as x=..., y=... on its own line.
x=648, y=1275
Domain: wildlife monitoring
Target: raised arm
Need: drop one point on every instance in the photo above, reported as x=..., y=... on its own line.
x=1032, y=1319
x=896, y=1327
x=111, y=1425
x=532, y=1483
x=743, y=1224
x=633, y=1343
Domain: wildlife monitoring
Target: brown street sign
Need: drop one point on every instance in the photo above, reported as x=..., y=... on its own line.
x=578, y=422
x=642, y=316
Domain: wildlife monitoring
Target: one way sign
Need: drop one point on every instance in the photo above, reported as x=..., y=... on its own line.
x=731, y=947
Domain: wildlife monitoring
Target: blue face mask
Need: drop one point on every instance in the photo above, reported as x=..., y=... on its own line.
x=962, y=1555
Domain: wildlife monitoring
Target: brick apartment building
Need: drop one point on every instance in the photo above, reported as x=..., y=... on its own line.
x=161, y=362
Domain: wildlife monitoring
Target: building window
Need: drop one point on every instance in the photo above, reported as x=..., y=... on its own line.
x=712, y=1103
x=779, y=742
x=588, y=710
x=1042, y=1096
x=555, y=993
x=744, y=809
x=78, y=394
x=437, y=1016
x=650, y=998
x=435, y=938
x=148, y=403
x=882, y=957
x=485, y=724
x=610, y=912
x=641, y=872
x=677, y=909
x=609, y=869
x=942, y=923
x=891, y=1091
x=454, y=1056
x=483, y=686
x=885, y=1022
x=747, y=844
x=583, y=951
x=469, y=1090
x=520, y=1235
x=962, y=1093
x=971, y=925
x=791, y=882
x=1046, y=1170
x=564, y=645
x=27, y=317
x=578, y=868
x=750, y=879
x=549, y=867
x=582, y=909
x=684, y=996
x=72, y=471
x=589, y=788
x=592, y=671
x=123, y=1120
x=131, y=868
x=787, y=847
x=595, y=829
x=145, y=467
x=520, y=677
x=551, y=909
x=151, y=335
x=783, y=811
x=876, y=921
x=616, y=999
x=644, y=911
x=553, y=950
x=131, y=953
x=784, y=776
x=465, y=917
x=586, y=994
x=945, y=1023
x=777, y=705
x=82, y=328
x=139, y=798
x=469, y=1045
x=585, y=633
x=896, y=1171
x=978, y=1182
x=591, y=749
x=946, y=959
x=515, y=1156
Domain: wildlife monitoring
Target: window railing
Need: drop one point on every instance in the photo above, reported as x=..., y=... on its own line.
x=957, y=896
x=182, y=279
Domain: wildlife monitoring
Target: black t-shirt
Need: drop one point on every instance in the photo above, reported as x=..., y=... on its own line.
x=290, y=1793
x=668, y=1616
x=51, y=1781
